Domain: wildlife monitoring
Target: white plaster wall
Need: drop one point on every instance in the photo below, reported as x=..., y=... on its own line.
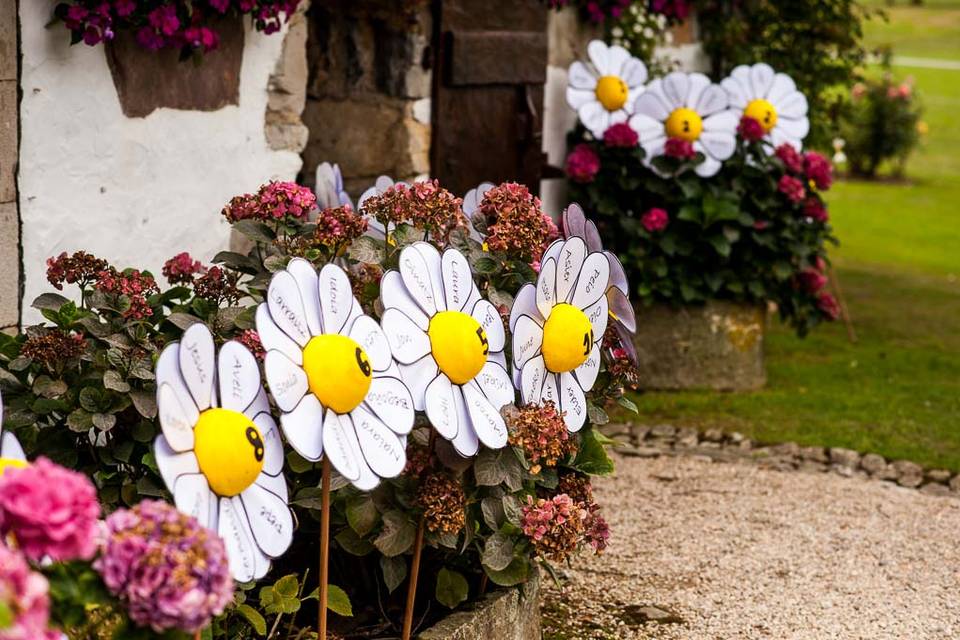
x=134, y=191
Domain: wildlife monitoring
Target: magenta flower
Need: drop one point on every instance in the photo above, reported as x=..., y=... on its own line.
x=828, y=306
x=679, y=149
x=791, y=159
x=811, y=280
x=583, y=164
x=169, y=572
x=818, y=169
x=621, y=135
x=792, y=188
x=50, y=511
x=181, y=268
x=750, y=129
x=25, y=594
x=813, y=208
x=655, y=219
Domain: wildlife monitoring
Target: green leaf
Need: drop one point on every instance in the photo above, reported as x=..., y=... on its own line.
x=366, y=249
x=690, y=213
x=253, y=617
x=353, y=544
x=512, y=509
x=80, y=421
x=281, y=596
x=720, y=244
x=394, y=571
x=183, y=320
x=628, y=404
x=145, y=402
x=397, y=535
x=515, y=573
x=255, y=230
x=338, y=601
x=104, y=421
x=6, y=616
x=362, y=514
x=485, y=265
x=451, y=588
x=592, y=457
x=47, y=387
x=596, y=414
x=497, y=552
x=492, y=510
x=114, y=381
x=51, y=301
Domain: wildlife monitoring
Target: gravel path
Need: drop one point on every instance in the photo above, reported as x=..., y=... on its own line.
x=732, y=550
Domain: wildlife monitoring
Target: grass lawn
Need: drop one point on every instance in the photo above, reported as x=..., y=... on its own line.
x=896, y=391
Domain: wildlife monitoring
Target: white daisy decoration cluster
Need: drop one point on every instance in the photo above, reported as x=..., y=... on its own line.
x=11, y=453
x=332, y=374
x=329, y=187
x=771, y=99
x=603, y=90
x=449, y=344
x=220, y=453
x=558, y=327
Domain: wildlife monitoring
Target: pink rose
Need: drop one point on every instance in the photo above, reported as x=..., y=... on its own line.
x=750, y=129
x=818, y=169
x=50, y=511
x=655, y=219
x=827, y=305
x=678, y=148
x=790, y=157
x=583, y=164
x=811, y=280
x=621, y=135
x=813, y=208
x=792, y=188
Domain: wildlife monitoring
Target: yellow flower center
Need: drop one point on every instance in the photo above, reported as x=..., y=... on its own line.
x=11, y=463
x=611, y=92
x=338, y=371
x=229, y=450
x=459, y=345
x=567, y=338
x=763, y=112
x=685, y=124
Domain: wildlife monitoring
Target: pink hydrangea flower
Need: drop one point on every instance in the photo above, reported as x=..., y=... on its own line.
x=621, y=135
x=280, y=199
x=679, y=148
x=25, y=594
x=50, y=511
x=251, y=340
x=169, y=572
x=791, y=159
x=792, y=188
x=583, y=164
x=750, y=129
x=818, y=168
x=655, y=219
x=181, y=268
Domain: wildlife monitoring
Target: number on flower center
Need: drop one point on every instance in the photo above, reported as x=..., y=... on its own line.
x=763, y=112
x=685, y=124
x=229, y=450
x=611, y=92
x=567, y=338
x=459, y=345
x=338, y=371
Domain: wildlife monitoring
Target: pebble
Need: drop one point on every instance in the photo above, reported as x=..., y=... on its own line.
x=873, y=464
x=844, y=457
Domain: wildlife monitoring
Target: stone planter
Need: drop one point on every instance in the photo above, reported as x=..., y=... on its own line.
x=504, y=614
x=718, y=345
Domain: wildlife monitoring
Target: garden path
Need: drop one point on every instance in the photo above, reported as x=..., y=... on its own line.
x=718, y=550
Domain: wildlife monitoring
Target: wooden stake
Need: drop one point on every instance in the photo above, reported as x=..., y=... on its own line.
x=324, y=549
x=197, y=635
x=844, y=313
x=412, y=587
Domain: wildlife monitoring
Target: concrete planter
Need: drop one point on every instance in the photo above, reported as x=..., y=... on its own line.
x=504, y=614
x=718, y=345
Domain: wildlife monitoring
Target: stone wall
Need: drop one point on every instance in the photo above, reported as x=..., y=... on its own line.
x=9, y=135
x=368, y=92
x=504, y=614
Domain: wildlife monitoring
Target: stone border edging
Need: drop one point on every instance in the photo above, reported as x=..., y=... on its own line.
x=510, y=613
x=664, y=439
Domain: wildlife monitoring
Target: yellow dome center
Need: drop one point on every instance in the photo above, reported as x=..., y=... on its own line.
x=11, y=463
x=567, y=338
x=611, y=92
x=763, y=112
x=229, y=450
x=459, y=345
x=338, y=371
x=685, y=124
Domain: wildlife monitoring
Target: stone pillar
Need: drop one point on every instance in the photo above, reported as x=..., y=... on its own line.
x=9, y=142
x=368, y=93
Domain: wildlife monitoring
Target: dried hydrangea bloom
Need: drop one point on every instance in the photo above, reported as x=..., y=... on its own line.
x=554, y=526
x=542, y=434
x=515, y=222
x=53, y=347
x=443, y=502
x=337, y=227
x=218, y=286
x=80, y=268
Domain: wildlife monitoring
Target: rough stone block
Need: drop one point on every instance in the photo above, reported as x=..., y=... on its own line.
x=844, y=457
x=9, y=265
x=505, y=614
x=8, y=39
x=8, y=140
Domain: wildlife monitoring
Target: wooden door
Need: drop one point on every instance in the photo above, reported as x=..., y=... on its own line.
x=489, y=70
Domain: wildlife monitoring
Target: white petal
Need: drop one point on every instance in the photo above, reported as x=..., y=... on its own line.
x=306, y=278
x=168, y=372
x=713, y=100
x=761, y=79
x=723, y=122
x=698, y=84
x=338, y=446
x=525, y=303
x=778, y=137
x=547, y=287
x=288, y=382
x=599, y=55
x=634, y=73
x=495, y=383
x=383, y=183
x=591, y=236
x=277, y=485
x=676, y=86
x=9, y=445
x=336, y=298
x=527, y=340
x=272, y=447
x=737, y=96
x=393, y=294
x=552, y=251
x=586, y=373
x=579, y=76
x=286, y=307
x=440, y=408
x=198, y=364
x=592, y=282
x=457, y=279
x=550, y=391
x=577, y=98
x=594, y=117
x=617, y=56
x=303, y=427
x=489, y=318
x=572, y=402
x=618, y=277
x=569, y=263
x=794, y=106
x=391, y=401
x=270, y=520
x=573, y=220
x=708, y=167
x=367, y=333
x=238, y=376
x=417, y=376
x=797, y=129
x=177, y=419
x=653, y=103
x=273, y=338
x=597, y=315
x=466, y=442
x=368, y=480
x=653, y=148
x=381, y=447
x=408, y=342
x=783, y=85
x=192, y=495
x=172, y=465
x=646, y=127
x=416, y=277
x=433, y=260
x=485, y=418
x=238, y=539
x=621, y=310
x=531, y=380
x=325, y=186
x=718, y=144
x=741, y=74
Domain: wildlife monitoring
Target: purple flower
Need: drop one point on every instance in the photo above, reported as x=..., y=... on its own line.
x=164, y=19
x=25, y=594
x=169, y=572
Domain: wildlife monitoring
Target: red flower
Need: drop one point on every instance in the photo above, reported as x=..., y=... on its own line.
x=811, y=280
x=679, y=148
x=655, y=219
x=828, y=306
x=181, y=268
x=813, y=208
x=790, y=157
x=750, y=129
x=583, y=164
x=621, y=135
x=760, y=225
x=792, y=188
x=818, y=169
